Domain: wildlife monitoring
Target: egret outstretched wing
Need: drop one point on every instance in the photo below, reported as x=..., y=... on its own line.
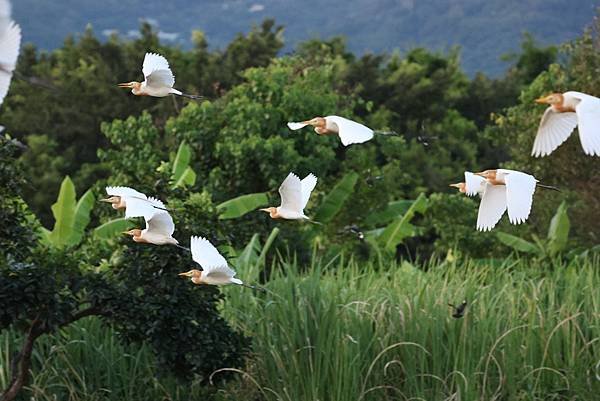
x=553, y=130
x=206, y=255
x=137, y=207
x=161, y=222
x=588, y=114
x=308, y=184
x=492, y=206
x=350, y=131
x=5, y=11
x=10, y=42
x=474, y=184
x=519, y=194
x=157, y=71
x=125, y=192
x=157, y=203
x=291, y=193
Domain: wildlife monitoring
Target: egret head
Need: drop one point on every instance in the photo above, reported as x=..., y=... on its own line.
x=487, y=174
x=552, y=99
x=112, y=199
x=317, y=122
x=133, y=85
x=195, y=275
x=272, y=212
x=462, y=187
x=136, y=232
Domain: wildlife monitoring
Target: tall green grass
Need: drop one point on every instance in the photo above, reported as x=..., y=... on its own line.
x=344, y=330
x=87, y=362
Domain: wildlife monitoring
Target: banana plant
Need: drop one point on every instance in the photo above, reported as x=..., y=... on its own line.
x=112, y=228
x=555, y=242
x=182, y=174
x=237, y=207
x=400, y=228
x=71, y=217
x=336, y=198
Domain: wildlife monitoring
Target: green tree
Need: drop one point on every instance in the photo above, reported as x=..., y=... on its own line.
x=47, y=285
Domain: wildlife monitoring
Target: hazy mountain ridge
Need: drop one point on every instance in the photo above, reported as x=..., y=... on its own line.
x=484, y=29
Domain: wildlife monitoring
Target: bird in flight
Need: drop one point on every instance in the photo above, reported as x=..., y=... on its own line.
x=159, y=223
x=500, y=190
x=493, y=199
x=349, y=131
x=10, y=42
x=135, y=203
x=215, y=269
x=294, y=197
x=505, y=190
x=159, y=79
x=159, y=230
x=567, y=111
x=459, y=310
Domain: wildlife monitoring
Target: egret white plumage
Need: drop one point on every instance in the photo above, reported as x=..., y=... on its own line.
x=493, y=199
x=158, y=79
x=567, y=111
x=505, y=190
x=10, y=42
x=472, y=185
x=295, y=194
x=349, y=131
x=135, y=203
x=215, y=269
x=159, y=230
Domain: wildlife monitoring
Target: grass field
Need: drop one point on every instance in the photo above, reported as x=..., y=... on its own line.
x=346, y=331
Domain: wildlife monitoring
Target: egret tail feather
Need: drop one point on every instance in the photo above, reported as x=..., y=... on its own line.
x=254, y=287
x=195, y=97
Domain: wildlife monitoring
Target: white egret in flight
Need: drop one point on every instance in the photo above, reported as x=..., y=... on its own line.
x=159, y=79
x=349, y=131
x=505, y=190
x=215, y=269
x=567, y=111
x=135, y=203
x=493, y=199
x=10, y=42
x=159, y=230
x=294, y=197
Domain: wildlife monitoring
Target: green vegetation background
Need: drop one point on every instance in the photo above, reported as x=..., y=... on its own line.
x=65, y=107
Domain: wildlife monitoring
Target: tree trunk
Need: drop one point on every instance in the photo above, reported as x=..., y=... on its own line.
x=21, y=372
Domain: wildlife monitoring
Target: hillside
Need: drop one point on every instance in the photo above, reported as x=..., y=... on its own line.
x=484, y=29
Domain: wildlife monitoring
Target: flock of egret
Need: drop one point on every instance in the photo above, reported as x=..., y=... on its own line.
x=500, y=190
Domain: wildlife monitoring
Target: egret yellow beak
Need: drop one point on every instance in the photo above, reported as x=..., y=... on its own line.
x=125, y=232
x=265, y=210
x=186, y=274
x=455, y=185
x=480, y=174
x=542, y=100
x=107, y=200
x=126, y=85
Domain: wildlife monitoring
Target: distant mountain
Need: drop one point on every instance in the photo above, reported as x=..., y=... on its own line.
x=485, y=29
